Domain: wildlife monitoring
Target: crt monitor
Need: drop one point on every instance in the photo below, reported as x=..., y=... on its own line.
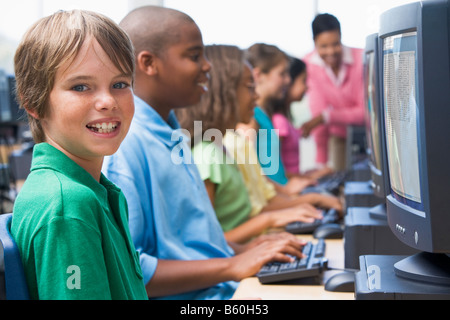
x=374, y=118
x=10, y=113
x=416, y=100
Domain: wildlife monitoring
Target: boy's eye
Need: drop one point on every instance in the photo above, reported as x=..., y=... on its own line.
x=79, y=88
x=195, y=57
x=120, y=85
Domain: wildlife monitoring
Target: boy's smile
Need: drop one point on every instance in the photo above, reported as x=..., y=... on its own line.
x=103, y=127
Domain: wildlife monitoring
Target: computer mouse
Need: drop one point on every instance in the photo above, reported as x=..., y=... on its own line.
x=329, y=231
x=341, y=282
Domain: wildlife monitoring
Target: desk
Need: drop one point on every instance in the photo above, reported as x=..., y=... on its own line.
x=252, y=288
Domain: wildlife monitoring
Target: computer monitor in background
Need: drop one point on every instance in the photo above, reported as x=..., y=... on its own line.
x=375, y=137
x=10, y=113
x=5, y=105
x=14, y=127
x=366, y=228
x=18, y=115
x=416, y=95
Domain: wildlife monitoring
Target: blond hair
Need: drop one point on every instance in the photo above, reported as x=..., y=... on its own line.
x=50, y=43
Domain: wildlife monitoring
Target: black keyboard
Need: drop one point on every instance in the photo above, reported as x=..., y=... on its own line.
x=297, y=227
x=312, y=265
x=332, y=182
x=329, y=184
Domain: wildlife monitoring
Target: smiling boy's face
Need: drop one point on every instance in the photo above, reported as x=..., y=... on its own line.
x=183, y=70
x=90, y=106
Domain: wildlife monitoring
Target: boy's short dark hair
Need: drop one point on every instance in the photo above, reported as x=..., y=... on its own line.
x=154, y=28
x=325, y=22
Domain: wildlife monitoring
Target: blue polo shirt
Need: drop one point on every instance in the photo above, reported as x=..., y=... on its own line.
x=170, y=214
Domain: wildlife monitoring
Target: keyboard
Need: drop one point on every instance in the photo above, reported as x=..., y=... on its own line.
x=332, y=182
x=312, y=265
x=298, y=227
x=328, y=184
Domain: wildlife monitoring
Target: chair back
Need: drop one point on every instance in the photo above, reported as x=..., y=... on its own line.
x=15, y=285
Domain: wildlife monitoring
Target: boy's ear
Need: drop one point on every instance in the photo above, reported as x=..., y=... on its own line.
x=32, y=113
x=146, y=63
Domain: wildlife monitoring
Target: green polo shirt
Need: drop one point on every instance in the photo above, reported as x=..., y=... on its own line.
x=72, y=233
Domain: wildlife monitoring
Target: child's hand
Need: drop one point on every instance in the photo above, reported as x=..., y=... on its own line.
x=302, y=212
x=249, y=263
x=297, y=184
x=272, y=237
x=328, y=202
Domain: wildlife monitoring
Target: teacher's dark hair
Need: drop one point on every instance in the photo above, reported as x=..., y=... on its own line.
x=325, y=22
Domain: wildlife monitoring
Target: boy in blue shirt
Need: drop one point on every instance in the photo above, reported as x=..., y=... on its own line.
x=183, y=252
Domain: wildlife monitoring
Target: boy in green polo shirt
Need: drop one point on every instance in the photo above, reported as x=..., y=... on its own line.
x=74, y=73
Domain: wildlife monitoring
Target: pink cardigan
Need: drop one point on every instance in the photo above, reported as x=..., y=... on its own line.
x=340, y=99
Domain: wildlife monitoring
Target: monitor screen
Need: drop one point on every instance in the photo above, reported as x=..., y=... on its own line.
x=372, y=120
x=400, y=77
x=5, y=105
x=375, y=138
x=415, y=77
x=10, y=111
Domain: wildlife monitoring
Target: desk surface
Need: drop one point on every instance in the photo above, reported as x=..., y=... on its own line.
x=252, y=288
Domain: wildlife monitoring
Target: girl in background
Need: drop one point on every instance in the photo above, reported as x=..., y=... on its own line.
x=280, y=112
x=271, y=74
x=230, y=98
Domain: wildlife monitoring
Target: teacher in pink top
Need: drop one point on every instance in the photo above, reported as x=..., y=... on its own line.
x=335, y=91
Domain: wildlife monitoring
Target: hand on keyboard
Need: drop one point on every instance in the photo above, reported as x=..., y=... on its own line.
x=300, y=227
x=312, y=264
x=329, y=184
x=326, y=201
x=270, y=237
x=302, y=212
x=248, y=263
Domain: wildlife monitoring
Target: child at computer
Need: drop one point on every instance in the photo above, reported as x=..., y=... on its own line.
x=183, y=251
x=279, y=110
x=230, y=98
x=263, y=195
x=270, y=70
x=74, y=73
